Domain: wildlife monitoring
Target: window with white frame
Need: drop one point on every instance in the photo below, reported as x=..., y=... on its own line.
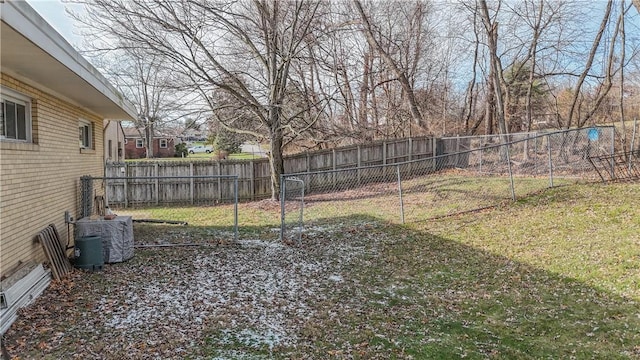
x=15, y=116
x=164, y=143
x=139, y=143
x=85, y=131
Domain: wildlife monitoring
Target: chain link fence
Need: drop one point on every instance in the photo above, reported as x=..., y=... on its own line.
x=177, y=200
x=486, y=171
x=291, y=209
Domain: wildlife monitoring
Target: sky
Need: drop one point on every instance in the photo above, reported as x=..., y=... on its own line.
x=53, y=11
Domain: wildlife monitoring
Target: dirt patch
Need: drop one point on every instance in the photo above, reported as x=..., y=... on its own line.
x=265, y=205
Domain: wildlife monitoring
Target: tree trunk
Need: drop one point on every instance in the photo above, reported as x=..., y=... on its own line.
x=470, y=100
x=603, y=90
x=276, y=161
x=587, y=68
x=148, y=141
x=496, y=67
x=363, y=113
x=623, y=41
x=533, y=49
x=489, y=111
x=402, y=76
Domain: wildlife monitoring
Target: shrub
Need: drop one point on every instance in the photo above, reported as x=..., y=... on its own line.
x=181, y=150
x=228, y=141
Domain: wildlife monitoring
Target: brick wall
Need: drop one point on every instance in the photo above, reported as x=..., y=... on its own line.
x=132, y=152
x=138, y=153
x=169, y=151
x=39, y=181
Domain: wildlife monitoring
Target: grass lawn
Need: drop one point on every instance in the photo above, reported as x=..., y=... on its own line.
x=556, y=275
x=552, y=276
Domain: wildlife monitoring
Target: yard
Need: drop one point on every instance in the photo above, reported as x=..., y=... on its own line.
x=555, y=275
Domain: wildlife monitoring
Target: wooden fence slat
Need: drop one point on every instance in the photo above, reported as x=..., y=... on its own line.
x=253, y=176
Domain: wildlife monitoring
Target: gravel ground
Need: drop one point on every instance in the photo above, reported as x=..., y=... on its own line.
x=233, y=300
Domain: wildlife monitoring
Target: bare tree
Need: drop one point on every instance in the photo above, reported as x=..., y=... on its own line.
x=587, y=67
x=538, y=17
x=370, y=35
x=148, y=81
x=610, y=72
x=243, y=48
x=150, y=86
x=310, y=74
x=491, y=28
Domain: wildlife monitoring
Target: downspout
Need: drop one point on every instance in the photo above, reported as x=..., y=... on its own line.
x=104, y=155
x=120, y=150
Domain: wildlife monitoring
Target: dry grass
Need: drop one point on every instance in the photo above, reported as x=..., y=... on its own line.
x=556, y=275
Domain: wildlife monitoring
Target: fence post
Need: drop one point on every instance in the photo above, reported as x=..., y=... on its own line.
x=307, y=183
x=156, y=185
x=482, y=144
x=126, y=186
x=219, y=181
x=235, y=208
x=457, y=150
x=632, y=152
x=106, y=192
x=86, y=191
x=191, y=182
x=384, y=160
x=108, y=172
x=301, y=218
x=550, y=161
x=282, y=204
x=535, y=161
x=434, y=153
x=333, y=161
x=252, y=180
x=613, y=151
x=384, y=152
x=400, y=194
x=633, y=136
x=359, y=164
x=513, y=190
x=410, y=157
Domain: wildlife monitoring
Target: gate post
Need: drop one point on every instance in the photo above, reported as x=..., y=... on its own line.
x=86, y=189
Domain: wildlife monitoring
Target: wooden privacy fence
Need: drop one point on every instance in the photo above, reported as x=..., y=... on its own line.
x=254, y=181
x=198, y=182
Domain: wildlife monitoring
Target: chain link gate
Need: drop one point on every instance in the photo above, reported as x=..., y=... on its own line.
x=291, y=208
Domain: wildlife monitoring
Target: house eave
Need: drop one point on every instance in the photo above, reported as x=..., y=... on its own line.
x=33, y=50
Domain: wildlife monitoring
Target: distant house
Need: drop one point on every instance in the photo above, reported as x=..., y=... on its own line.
x=134, y=145
x=189, y=135
x=114, y=140
x=54, y=104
